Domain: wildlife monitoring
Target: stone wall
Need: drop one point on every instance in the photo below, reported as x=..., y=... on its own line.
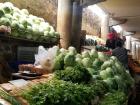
x=91, y=22
x=48, y=10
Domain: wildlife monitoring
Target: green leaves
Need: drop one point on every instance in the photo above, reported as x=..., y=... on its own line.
x=75, y=74
x=58, y=92
x=115, y=98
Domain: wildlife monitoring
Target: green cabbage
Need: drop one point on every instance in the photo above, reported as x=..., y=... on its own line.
x=69, y=60
x=1, y=13
x=87, y=62
x=5, y=21
x=85, y=54
x=102, y=56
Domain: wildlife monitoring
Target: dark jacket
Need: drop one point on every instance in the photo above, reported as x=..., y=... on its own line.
x=121, y=54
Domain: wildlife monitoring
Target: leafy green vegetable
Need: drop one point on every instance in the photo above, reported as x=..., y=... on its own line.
x=87, y=62
x=69, y=59
x=77, y=74
x=102, y=56
x=57, y=92
x=115, y=98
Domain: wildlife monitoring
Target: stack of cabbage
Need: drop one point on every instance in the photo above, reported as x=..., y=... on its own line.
x=99, y=65
x=26, y=25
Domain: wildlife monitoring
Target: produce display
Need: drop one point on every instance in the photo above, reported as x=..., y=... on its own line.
x=25, y=25
x=79, y=78
x=58, y=92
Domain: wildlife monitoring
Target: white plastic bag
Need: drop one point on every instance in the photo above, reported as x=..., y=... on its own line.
x=45, y=57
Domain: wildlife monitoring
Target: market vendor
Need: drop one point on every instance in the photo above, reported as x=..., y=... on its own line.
x=111, y=39
x=121, y=53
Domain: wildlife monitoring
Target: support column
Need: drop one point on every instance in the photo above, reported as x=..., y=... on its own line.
x=128, y=42
x=104, y=27
x=64, y=22
x=76, y=25
x=133, y=50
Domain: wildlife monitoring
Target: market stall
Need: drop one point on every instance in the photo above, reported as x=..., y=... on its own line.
x=90, y=74
x=60, y=75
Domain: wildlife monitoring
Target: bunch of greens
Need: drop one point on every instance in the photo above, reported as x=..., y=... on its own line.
x=115, y=98
x=58, y=92
x=77, y=74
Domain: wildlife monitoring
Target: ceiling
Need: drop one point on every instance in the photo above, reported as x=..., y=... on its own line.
x=124, y=9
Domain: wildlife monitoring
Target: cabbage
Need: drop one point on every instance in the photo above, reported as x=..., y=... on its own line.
x=111, y=83
x=9, y=4
x=78, y=60
x=16, y=10
x=93, y=54
x=64, y=51
x=46, y=33
x=106, y=64
x=37, y=21
x=97, y=63
x=24, y=22
x=92, y=71
x=103, y=74
x=113, y=58
x=85, y=54
x=72, y=50
x=87, y=62
x=120, y=68
x=110, y=72
x=59, y=62
x=9, y=16
x=5, y=21
x=106, y=73
x=1, y=13
x=16, y=16
x=119, y=82
x=25, y=11
x=7, y=9
x=102, y=56
x=78, y=56
x=69, y=60
x=51, y=33
x=51, y=28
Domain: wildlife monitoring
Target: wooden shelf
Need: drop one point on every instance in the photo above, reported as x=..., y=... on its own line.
x=26, y=41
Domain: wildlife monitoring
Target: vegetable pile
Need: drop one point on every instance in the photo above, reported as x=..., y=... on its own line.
x=79, y=78
x=58, y=92
x=25, y=25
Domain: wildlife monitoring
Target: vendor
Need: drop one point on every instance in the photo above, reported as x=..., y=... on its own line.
x=121, y=53
x=111, y=39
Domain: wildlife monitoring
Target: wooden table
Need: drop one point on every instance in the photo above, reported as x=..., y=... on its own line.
x=16, y=91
